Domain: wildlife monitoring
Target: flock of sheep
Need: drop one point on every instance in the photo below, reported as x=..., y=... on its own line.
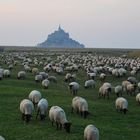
x=68, y=66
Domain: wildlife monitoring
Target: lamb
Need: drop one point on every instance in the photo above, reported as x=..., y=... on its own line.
x=45, y=83
x=138, y=98
x=57, y=115
x=74, y=86
x=35, y=96
x=42, y=107
x=26, y=108
x=21, y=75
x=80, y=105
x=89, y=83
x=91, y=132
x=38, y=78
x=118, y=90
x=121, y=104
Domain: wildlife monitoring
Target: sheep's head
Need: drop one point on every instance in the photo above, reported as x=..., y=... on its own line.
x=42, y=117
x=28, y=117
x=67, y=126
x=125, y=110
x=86, y=113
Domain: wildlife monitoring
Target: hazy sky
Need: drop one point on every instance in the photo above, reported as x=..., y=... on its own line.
x=95, y=23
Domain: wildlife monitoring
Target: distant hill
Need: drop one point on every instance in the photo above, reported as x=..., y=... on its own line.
x=60, y=39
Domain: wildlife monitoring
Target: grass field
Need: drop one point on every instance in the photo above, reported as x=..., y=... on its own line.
x=111, y=124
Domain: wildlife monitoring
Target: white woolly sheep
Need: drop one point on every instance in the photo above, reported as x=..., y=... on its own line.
x=27, y=68
x=91, y=133
x=80, y=105
x=35, y=96
x=52, y=79
x=121, y=104
x=21, y=75
x=105, y=89
x=26, y=108
x=102, y=76
x=74, y=86
x=118, y=90
x=124, y=85
x=35, y=70
x=69, y=77
x=38, y=78
x=89, y=83
x=6, y=73
x=57, y=115
x=91, y=75
x=42, y=107
x=138, y=98
x=44, y=74
x=130, y=89
x=1, y=73
x=45, y=83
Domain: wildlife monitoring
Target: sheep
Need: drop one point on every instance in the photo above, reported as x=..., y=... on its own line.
x=1, y=73
x=138, y=98
x=35, y=71
x=130, y=89
x=42, y=107
x=89, y=83
x=38, y=78
x=124, y=84
x=121, y=104
x=74, y=86
x=45, y=83
x=91, y=75
x=2, y=138
x=6, y=73
x=102, y=76
x=118, y=90
x=52, y=79
x=57, y=115
x=26, y=108
x=35, y=96
x=21, y=75
x=27, y=68
x=105, y=89
x=91, y=132
x=44, y=74
x=80, y=105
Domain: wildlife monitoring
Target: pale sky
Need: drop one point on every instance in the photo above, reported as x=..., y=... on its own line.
x=95, y=23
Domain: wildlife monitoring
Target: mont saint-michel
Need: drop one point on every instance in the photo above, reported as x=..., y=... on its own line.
x=60, y=39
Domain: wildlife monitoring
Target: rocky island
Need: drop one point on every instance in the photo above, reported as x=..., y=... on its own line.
x=60, y=39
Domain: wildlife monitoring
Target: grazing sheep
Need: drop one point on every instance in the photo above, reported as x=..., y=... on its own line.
x=130, y=89
x=26, y=108
x=118, y=90
x=138, y=98
x=102, y=76
x=91, y=75
x=52, y=79
x=38, y=78
x=121, y=104
x=89, y=83
x=21, y=75
x=42, y=107
x=57, y=115
x=80, y=105
x=44, y=74
x=45, y=83
x=35, y=71
x=6, y=73
x=124, y=85
x=69, y=77
x=35, y=96
x=74, y=86
x=132, y=80
x=91, y=133
x=105, y=89
x=27, y=68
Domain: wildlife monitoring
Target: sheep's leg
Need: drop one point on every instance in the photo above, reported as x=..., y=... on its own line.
x=57, y=125
x=60, y=126
x=52, y=123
